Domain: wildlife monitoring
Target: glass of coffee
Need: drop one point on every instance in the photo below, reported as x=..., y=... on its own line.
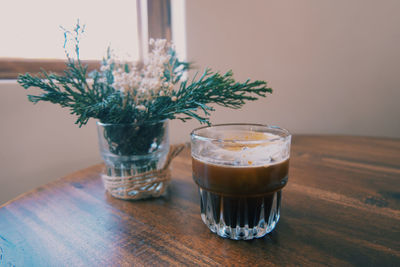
x=240, y=170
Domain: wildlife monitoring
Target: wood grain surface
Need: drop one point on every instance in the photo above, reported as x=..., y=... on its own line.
x=341, y=207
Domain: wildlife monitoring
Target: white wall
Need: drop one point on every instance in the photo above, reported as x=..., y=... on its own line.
x=334, y=66
x=39, y=143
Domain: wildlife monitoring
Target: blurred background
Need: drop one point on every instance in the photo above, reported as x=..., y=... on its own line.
x=334, y=67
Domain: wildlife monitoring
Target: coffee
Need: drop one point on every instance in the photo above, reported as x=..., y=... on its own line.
x=240, y=170
x=239, y=195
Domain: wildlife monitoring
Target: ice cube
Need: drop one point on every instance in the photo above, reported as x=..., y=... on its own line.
x=244, y=154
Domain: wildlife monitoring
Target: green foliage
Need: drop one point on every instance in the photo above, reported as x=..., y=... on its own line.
x=140, y=138
x=103, y=102
x=96, y=98
x=93, y=95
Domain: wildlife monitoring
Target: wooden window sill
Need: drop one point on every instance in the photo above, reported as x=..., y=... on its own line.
x=10, y=68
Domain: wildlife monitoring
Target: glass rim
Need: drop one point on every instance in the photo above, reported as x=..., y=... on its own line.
x=286, y=133
x=130, y=124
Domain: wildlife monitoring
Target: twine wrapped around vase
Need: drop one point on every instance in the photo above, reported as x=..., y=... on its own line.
x=142, y=183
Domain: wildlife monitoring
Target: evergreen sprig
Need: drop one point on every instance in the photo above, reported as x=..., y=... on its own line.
x=89, y=96
x=103, y=102
x=94, y=95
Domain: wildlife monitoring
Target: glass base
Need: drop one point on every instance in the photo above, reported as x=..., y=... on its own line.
x=127, y=183
x=240, y=217
x=154, y=190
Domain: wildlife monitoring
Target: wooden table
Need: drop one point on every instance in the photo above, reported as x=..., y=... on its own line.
x=341, y=207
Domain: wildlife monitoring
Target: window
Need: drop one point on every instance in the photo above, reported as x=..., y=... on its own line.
x=32, y=38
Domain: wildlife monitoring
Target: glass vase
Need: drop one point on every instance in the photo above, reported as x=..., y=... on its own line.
x=135, y=159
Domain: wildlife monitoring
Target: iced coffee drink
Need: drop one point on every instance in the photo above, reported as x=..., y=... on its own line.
x=240, y=170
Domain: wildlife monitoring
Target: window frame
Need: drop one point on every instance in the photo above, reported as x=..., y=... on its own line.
x=154, y=21
x=10, y=68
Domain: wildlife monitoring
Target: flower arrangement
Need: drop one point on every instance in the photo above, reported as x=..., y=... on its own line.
x=141, y=93
x=133, y=102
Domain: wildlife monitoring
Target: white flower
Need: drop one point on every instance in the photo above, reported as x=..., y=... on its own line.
x=143, y=81
x=173, y=99
x=141, y=108
x=104, y=68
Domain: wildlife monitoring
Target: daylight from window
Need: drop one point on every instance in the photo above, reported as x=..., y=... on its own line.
x=31, y=29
